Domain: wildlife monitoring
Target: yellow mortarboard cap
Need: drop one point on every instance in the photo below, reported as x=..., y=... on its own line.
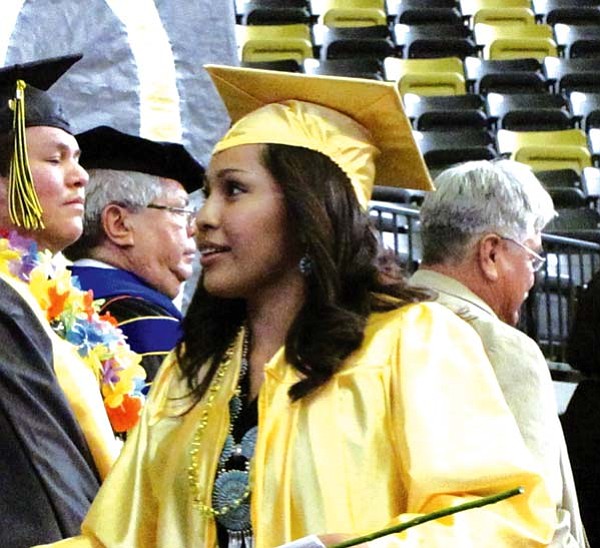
x=374, y=146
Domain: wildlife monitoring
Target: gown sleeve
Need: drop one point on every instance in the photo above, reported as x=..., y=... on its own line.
x=458, y=441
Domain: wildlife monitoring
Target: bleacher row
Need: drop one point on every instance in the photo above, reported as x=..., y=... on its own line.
x=480, y=79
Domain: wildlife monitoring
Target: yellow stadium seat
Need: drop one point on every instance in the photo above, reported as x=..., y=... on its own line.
x=546, y=150
x=439, y=76
x=259, y=43
x=504, y=16
x=515, y=41
x=469, y=7
x=353, y=13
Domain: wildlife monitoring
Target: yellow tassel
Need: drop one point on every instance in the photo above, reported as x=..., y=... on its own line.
x=23, y=203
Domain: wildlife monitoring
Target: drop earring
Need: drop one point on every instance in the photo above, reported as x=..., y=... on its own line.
x=305, y=266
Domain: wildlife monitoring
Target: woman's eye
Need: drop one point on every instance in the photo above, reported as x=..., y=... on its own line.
x=233, y=188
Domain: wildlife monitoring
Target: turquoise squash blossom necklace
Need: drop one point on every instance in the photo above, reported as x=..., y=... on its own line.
x=231, y=488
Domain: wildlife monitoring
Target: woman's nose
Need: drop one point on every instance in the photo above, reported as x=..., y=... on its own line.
x=208, y=214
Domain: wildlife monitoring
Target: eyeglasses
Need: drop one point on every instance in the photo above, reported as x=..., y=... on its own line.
x=190, y=214
x=537, y=261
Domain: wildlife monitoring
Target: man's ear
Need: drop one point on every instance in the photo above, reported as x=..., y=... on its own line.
x=488, y=256
x=117, y=225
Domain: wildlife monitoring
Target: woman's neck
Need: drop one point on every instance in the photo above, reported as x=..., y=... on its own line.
x=269, y=320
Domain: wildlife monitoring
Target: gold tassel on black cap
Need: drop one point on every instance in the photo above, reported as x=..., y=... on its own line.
x=23, y=203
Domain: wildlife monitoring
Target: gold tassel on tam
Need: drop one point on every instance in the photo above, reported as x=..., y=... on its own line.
x=23, y=203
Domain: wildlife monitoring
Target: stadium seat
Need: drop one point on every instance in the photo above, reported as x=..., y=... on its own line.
x=585, y=108
x=444, y=148
x=594, y=144
x=566, y=75
x=273, y=12
x=427, y=41
x=546, y=150
x=566, y=198
x=590, y=183
x=398, y=195
x=470, y=7
x=529, y=111
x=567, y=11
x=582, y=223
x=420, y=12
x=515, y=41
x=341, y=42
x=285, y=65
x=504, y=16
x=560, y=178
x=359, y=67
x=352, y=13
x=504, y=75
x=564, y=186
x=273, y=42
x=451, y=112
x=439, y=76
x=578, y=40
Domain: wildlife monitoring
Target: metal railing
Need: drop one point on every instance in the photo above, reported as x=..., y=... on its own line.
x=548, y=312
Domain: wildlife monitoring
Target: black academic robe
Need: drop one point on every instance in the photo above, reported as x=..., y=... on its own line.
x=47, y=475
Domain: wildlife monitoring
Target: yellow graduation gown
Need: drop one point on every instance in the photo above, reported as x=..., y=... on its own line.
x=414, y=422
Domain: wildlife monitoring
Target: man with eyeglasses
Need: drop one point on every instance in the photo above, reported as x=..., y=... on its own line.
x=137, y=247
x=481, y=235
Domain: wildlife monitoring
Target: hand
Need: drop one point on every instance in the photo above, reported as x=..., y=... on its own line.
x=336, y=538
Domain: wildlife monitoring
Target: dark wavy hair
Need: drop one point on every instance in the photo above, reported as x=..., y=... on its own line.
x=344, y=286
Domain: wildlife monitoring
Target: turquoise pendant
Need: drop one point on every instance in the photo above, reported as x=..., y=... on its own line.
x=229, y=488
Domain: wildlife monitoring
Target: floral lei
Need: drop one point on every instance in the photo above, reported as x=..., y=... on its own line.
x=73, y=315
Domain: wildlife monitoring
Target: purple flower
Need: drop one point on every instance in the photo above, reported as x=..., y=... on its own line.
x=110, y=371
x=29, y=256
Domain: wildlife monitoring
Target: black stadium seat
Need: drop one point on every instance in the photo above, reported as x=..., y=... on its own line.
x=450, y=112
x=505, y=75
x=529, y=111
x=444, y=40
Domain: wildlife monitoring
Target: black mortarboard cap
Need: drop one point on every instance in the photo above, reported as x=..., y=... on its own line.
x=25, y=103
x=39, y=76
x=104, y=147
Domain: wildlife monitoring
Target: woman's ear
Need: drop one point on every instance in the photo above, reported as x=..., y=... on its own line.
x=488, y=255
x=117, y=225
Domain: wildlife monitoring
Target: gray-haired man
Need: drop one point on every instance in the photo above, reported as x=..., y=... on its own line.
x=481, y=232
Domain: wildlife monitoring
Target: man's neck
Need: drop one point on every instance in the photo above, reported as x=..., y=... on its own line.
x=470, y=276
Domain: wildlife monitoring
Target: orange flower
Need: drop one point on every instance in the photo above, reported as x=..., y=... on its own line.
x=110, y=319
x=57, y=302
x=126, y=415
x=88, y=303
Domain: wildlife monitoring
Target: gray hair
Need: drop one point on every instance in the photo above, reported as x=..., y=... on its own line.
x=479, y=197
x=130, y=189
